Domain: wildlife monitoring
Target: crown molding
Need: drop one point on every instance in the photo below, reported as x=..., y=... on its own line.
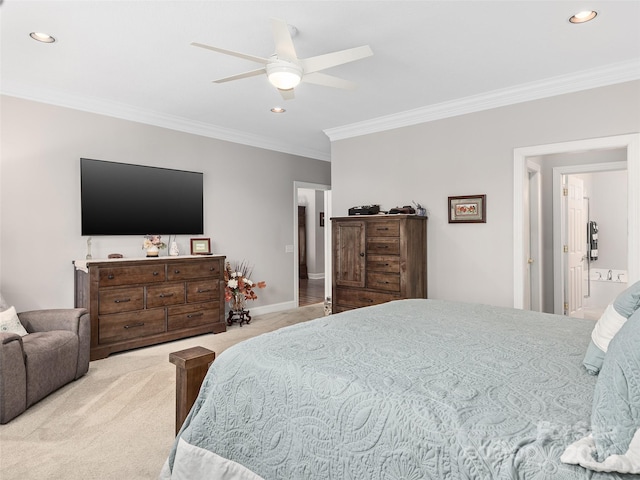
x=560, y=85
x=149, y=117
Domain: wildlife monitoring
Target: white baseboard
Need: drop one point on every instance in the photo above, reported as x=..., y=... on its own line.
x=276, y=307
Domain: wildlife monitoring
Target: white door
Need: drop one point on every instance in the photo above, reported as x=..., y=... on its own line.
x=575, y=247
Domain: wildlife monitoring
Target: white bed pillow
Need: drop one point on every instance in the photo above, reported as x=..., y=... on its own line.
x=614, y=316
x=606, y=328
x=9, y=322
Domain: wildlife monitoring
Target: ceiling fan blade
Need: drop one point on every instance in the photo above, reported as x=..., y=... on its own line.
x=252, y=58
x=328, y=81
x=320, y=62
x=284, y=45
x=252, y=73
x=287, y=94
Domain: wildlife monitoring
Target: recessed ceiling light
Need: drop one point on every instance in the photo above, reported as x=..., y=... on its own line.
x=42, y=37
x=583, y=17
x=278, y=110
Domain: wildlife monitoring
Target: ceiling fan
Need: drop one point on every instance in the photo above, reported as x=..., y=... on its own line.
x=285, y=70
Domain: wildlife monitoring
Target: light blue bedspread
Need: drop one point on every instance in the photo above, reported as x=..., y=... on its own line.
x=413, y=389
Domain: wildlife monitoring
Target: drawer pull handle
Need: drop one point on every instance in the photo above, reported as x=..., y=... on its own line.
x=192, y=315
x=155, y=274
x=110, y=276
x=123, y=300
x=165, y=295
x=176, y=271
x=362, y=254
x=383, y=282
x=383, y=228
x=368, y=300
x=139, y=324
x=203, y=291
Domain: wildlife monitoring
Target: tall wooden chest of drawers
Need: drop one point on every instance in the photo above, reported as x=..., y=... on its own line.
x=135, y=303
x=378, y=258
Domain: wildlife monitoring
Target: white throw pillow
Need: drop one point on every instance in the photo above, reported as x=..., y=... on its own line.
x=9, y=322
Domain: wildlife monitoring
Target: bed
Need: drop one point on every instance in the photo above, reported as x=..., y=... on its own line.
x=411, y=389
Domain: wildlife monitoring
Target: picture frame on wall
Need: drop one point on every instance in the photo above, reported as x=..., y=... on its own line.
x=200, y=246
x=468, y=209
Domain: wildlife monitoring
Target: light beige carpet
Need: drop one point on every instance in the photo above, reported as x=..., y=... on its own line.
x=116, y=422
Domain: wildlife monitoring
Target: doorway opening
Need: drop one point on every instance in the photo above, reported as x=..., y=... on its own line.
x=588, y=198
x=311, y=214
x=630, y=144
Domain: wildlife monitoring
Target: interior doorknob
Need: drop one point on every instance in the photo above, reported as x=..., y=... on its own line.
x=530, y=261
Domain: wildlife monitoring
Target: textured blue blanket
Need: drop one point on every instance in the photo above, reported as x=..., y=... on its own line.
x=414, y=389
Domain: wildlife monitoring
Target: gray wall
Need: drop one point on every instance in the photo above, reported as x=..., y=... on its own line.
x=467, y=155
x=608, y=206
x=248, y=199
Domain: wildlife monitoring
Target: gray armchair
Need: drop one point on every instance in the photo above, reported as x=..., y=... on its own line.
x=54, y=353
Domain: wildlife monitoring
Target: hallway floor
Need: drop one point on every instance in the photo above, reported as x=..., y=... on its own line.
x=310, y=291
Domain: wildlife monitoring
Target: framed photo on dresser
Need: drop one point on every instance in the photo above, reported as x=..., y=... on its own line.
x=200, y=246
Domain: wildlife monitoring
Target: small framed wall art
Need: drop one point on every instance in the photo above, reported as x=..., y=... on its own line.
x=468, y=209
x=200, y=246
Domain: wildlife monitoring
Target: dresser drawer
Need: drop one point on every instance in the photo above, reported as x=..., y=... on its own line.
x=161, y=295
x=383, y=281
x=383, y=263
x=181, y=271
x=186, y=316
x=383, y=228
x=383, y=246
x=362, y=298
x=203, y=291
x=115, y=276
x=127, y=326
x=120, y=300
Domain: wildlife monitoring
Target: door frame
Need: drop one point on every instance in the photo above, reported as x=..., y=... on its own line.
x=533, y=239
x=631, y=142
x=559, y=223
x=327, y=246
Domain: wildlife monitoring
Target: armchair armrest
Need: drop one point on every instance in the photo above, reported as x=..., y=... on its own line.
x=13, y=377
x=52, y=319
x=6, y=337
x=76, y=320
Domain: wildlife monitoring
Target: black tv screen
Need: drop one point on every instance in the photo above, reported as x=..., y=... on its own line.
x=125, y=199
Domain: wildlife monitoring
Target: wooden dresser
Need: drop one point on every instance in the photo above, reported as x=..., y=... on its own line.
x=378, y=258
x=140, y=302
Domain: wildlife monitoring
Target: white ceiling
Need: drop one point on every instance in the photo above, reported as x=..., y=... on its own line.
x=133, y=59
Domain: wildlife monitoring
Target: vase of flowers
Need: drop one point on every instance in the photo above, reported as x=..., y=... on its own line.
x=153, y=244
x=238, y=289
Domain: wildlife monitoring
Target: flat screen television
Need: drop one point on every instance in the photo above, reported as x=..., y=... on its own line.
x=126, y=199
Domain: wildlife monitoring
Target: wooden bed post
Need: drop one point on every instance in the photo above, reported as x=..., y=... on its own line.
x=191, y=367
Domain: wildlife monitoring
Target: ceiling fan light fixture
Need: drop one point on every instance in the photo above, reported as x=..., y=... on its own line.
x=278, y=110
x=583, y=17
x=284, y=75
